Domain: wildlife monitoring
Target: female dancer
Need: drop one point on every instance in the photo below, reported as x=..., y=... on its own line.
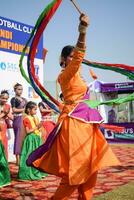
x=4, y=170
x=5, y=116
x=18, y=105
x=79, y=149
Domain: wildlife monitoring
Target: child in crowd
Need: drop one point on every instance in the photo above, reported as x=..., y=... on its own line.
x=47, y=121
x=31, y=142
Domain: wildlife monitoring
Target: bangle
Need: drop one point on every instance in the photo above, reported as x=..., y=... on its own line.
x=82, y=29
x=80, y=49
x=82, y=42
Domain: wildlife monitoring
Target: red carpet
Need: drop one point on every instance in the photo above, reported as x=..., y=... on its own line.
x=108, y=179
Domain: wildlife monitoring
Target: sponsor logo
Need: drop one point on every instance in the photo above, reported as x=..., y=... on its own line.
x=123, y=85
x=128, y=131
x=10, y=67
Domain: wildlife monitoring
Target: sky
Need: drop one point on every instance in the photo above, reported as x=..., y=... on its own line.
x=110, y=36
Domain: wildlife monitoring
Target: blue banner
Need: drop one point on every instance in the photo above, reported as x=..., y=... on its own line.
x=14, y=35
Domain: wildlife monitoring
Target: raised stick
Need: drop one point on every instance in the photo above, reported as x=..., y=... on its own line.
x=76, y=6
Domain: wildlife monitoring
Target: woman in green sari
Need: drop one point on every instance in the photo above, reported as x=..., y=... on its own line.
x=4, y=169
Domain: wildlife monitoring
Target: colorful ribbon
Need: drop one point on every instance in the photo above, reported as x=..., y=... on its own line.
x=40, y=25
x=34, y=38
x=119, y=68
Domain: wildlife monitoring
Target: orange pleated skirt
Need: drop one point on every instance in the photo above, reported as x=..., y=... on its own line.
x=79, y=150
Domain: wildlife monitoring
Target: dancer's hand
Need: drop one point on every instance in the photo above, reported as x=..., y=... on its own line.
x=84, y=20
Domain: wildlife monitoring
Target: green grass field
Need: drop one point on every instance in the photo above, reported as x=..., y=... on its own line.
x=125, y=192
